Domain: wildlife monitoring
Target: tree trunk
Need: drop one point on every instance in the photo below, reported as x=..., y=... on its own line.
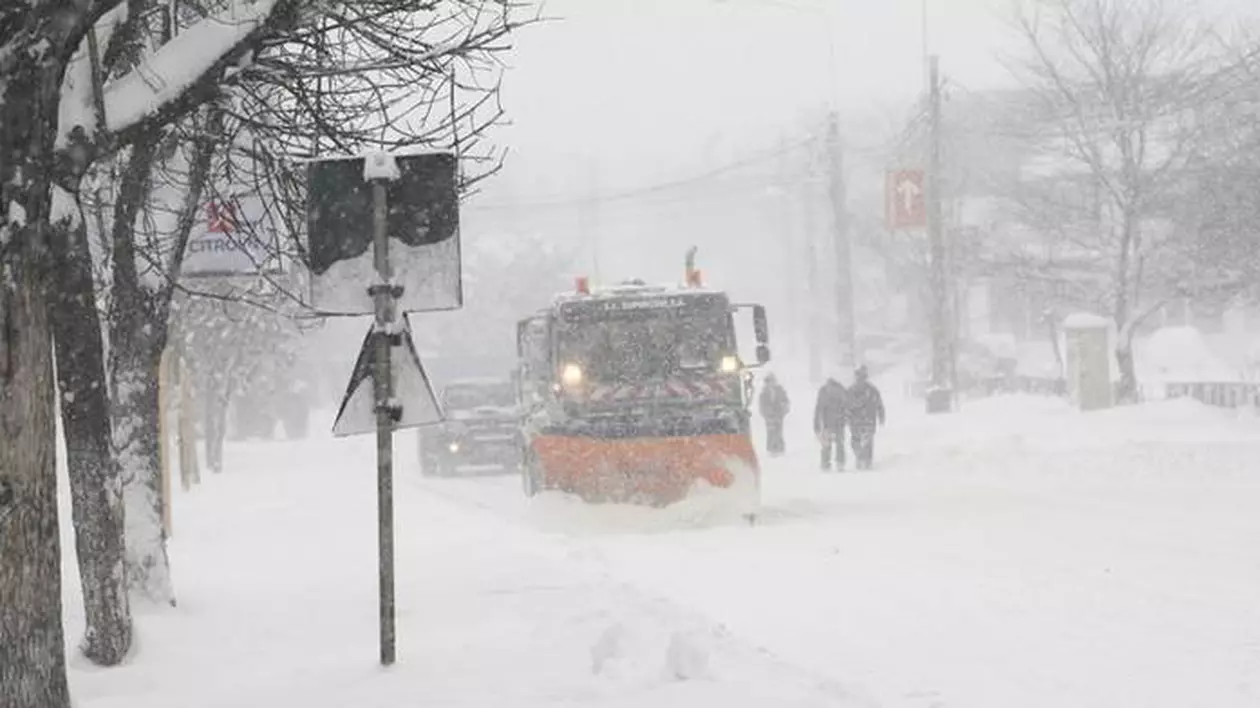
x=32, y=644
x=1052, y=332
x=216, y=410
x=95, y=486
x=1126, y=390
x=137, y=335
x=32, y=641
x=135, y=358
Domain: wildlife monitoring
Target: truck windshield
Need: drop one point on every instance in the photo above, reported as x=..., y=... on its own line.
x=648, y=346
x=469, y=396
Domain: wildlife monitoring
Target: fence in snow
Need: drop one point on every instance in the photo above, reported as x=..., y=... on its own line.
x=998, y=385
x=1223, y=395
x=1220, y=394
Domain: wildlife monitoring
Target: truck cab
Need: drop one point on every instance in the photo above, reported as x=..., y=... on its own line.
x=636, y=392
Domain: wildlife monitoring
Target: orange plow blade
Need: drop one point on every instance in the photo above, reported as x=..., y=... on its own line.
x=658, y=471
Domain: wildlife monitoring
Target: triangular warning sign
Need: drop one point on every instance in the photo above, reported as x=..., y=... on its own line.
x=412, y=390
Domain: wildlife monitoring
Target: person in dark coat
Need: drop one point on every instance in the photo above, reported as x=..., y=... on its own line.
x=865, y=413
x=774, y=407
x=829, y=419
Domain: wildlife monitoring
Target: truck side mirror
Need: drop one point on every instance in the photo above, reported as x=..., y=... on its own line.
x=520, y=337
x=760, y=335
x=761, y=328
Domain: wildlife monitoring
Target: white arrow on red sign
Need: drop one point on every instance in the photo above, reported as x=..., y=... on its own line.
x=906, y=200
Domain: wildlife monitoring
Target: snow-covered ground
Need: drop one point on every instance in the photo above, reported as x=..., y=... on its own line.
x=1014, y=554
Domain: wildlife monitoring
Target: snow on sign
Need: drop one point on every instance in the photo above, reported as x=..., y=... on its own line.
x=231, y=237
x=423, y=228
x=412, y=388
x=906, y=200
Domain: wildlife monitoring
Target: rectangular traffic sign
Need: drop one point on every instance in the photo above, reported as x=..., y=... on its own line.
x=905, y=199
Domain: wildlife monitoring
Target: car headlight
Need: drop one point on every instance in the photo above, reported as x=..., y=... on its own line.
x=571, y=375
x=453, y=447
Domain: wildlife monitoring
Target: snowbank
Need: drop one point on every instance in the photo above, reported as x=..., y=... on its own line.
x=276, y=565
x=1121, y=540
x=1037, y=359
x=1017, y=553
x=1181, y=354
x=1024, y=425
x=1001, y=346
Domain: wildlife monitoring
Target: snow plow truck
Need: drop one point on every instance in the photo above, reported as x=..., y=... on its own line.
x=634, y=393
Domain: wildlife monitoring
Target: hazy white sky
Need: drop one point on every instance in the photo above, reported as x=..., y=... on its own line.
x=648, y=89
x=628, y=93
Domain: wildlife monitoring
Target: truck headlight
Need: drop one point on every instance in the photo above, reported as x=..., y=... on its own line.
x=729, y=364
x=453, y=447
x=571, y=375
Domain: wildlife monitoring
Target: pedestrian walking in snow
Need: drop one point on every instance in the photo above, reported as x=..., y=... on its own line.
x=774, y=407
x=829, y=421
x=865, y=414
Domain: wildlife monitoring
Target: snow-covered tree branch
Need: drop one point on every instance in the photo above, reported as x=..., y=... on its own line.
x=107, y=109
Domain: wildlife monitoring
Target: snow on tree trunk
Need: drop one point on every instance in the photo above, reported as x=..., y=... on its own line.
x=1127, y=386
x=218, y=396
x=137, y=335
x=1126, y=391
x=135, y=357
x=95, y=486
x=32, y=645
x=32, y=642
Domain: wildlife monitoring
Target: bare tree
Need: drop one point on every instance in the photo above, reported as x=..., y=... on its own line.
x=386, y=75
x=126, y=130
x=37, y=39
x=1221, y=203
x=1117, y=84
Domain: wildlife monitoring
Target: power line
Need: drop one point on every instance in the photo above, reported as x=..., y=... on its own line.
x=738, y=189
x=753, y=159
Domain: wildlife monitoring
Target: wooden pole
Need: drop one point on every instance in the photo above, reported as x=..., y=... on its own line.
x=164, y=452
x=189, y=473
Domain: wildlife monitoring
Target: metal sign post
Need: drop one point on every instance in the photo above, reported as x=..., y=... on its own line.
x=388, y=411
x=355, y=208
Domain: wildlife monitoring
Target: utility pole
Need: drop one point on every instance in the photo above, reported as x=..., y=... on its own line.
x=941, y=394
x=845, y=312
x=813, y=320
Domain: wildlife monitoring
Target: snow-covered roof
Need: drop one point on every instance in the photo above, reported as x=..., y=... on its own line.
x=633, y=289
x=1085, y=320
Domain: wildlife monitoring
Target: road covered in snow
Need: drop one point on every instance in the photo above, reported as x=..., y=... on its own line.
x=1016, y=553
